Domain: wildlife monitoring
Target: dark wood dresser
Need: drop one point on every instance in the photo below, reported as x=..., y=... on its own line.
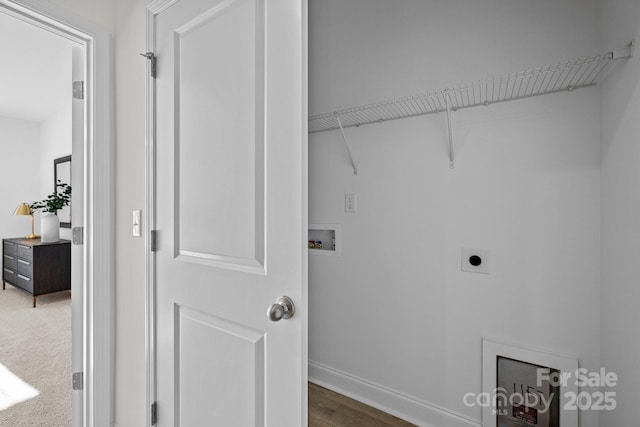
x=38, y=268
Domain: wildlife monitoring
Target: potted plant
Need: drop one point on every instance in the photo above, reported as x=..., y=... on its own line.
x=49, y=222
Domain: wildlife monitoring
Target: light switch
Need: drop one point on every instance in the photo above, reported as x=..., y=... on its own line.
x=137, y=223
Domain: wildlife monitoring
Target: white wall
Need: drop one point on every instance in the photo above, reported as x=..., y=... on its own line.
x=55, y=137
x=20, y=148
x=620, y=212
x=56, y=142
x=40, y=96
x=395, y=309
x=130, y=76
x=100, y=12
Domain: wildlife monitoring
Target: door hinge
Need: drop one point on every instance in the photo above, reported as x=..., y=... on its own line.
x=154, y=62
x=77, y=381
x=154, y=413
x=77, y=235
x=153, y=240
x=78, y=90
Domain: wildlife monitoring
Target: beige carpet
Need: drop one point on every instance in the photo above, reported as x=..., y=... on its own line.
x=35, y=346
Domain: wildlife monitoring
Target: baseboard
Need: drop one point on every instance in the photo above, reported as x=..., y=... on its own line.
x=393, y=402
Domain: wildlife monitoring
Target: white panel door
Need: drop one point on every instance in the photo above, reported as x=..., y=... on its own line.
x=230, y=174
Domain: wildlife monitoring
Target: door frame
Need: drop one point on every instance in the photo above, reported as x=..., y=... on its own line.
x=97, y=406
x=149, y=221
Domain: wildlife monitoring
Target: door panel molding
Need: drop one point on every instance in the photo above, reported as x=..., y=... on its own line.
x=232, y=163
x=230, y=343
x=251, y=266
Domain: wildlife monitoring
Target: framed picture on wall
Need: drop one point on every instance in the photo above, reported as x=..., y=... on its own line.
x=62, y=175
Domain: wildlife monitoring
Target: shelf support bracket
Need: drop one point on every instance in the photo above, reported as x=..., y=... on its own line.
x=346, y=144
x=625, y=52
x=451, y=156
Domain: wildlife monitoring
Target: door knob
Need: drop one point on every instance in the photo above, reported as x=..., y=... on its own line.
x=282, y=309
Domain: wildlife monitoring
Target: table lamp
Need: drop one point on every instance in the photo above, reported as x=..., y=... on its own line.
x=25, y=209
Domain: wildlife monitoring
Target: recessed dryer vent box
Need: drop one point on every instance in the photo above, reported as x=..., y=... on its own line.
x=324, y=239
x=476, y=260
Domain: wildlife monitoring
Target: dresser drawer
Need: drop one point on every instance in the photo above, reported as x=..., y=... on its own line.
x=25, y=252
x=9, y=248
x=9, y=275
x=24, y=282
x=35, y=267
x=25, y=267
x=9, y=261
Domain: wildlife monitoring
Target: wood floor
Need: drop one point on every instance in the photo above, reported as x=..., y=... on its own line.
x=330, y=409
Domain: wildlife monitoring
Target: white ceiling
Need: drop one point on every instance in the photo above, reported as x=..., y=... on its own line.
x=35, y=70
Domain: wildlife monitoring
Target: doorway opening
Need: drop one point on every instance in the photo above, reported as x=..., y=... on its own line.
x=81, y=133
x=40, y=119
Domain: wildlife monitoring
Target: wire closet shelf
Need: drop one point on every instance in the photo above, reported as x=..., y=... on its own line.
x=565, y=76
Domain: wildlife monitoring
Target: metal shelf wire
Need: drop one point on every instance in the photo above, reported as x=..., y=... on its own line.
x=565, y=76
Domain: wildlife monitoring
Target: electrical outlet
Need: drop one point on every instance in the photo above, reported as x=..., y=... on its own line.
x=350, y=203
x=476, y=260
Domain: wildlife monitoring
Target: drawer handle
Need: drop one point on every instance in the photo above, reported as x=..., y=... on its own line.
x=8, y=271
x=9, y=243
x=21, y=261
x=24, y=247
x=24, y=277
x=10, y=257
